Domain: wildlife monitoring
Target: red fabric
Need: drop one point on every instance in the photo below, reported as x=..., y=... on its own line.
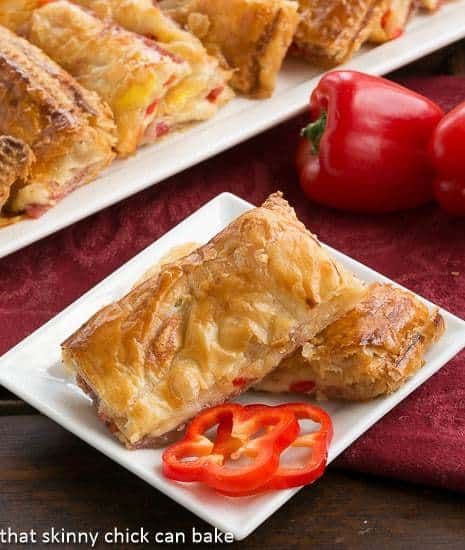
x=423, y=439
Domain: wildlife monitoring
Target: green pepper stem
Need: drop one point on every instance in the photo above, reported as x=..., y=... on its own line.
x=314, y=131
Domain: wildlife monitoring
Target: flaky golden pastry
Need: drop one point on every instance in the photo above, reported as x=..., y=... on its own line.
x=370, y=351
x=391, y=24
x=69, y=129
x=199, y=94
x=15, y=14
x=131, y=72
x=16, y=158
x=331, y=31
x=250, y=36
x=210, y=324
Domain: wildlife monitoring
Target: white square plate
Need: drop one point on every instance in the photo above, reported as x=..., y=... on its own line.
x=32, y=370
x=236, y=122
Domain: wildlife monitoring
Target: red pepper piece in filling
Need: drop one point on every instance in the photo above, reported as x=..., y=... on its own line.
x=151, y=108
x=447, y=155
x=215, y=93
x=302, y=386
x=366, y=147
x=259, y=433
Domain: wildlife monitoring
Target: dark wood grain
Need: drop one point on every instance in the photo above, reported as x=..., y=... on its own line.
x=50, y=478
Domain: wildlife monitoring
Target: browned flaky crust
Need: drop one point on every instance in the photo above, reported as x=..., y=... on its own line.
x=370, y=351
x=331, y=31
x=250, y=36
x=62, y=122
x=231, y=310
x=16, y=158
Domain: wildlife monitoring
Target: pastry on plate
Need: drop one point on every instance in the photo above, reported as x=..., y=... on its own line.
x=131, y=72
x=331, y=31
x=69, y=129
x=209, y=325
x=16, y=158
x=371, y=351
x=392, y=22
x=199, y=94
x=249, y=36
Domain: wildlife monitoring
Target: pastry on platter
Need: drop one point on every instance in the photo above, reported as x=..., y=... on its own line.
x=249, y=36
x=331, y=31
x=130, y=72
x=392, y=22
x=69, y=129
x=371, y=351
x=198, y=95
x=16, y=158
x=209, y=325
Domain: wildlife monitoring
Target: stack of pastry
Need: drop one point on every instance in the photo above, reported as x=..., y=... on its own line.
x=82, y=87
x=262, y=304
x=253, y=36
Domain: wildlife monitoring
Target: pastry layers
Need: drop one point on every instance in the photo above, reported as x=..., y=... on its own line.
x=69, y=129
x=370, y=351
x=199, y=94
x=16, y=158
x=331, y=31
x=249, y=36
x=209, y=324
x=130, y=72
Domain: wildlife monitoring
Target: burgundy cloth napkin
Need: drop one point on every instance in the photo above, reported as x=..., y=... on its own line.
x=422, y=439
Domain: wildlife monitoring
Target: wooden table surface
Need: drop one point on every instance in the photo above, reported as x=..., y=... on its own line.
x=49, y=478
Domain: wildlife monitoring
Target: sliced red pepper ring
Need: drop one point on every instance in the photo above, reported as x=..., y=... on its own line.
x=318, y=442
x=286, y=477
x=259, y=433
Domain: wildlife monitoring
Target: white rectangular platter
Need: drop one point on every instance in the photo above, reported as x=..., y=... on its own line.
x=238, y=121
x=32, y=370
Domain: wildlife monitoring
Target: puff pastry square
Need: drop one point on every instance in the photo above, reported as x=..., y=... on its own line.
x=209, y=324
x=331, y=31
x=69, y=129
x=249, y=36
x=370, y=351
x=198, y=95
x=130, y=72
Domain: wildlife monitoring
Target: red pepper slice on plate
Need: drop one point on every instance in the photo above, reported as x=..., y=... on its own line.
x=447, y=155
x=259, y=433
x=198, y=458
x=318, y=442
x=285, y=476
x=365, y=149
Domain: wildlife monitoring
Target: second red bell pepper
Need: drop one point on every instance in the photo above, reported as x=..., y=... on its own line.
x=448, y=156
x=365, y=149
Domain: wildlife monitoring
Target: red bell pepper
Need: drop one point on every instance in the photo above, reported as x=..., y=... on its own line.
x=366, y=147
x=286, y=477
x=257, y=432
x=198, y=458
x=448, y=157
